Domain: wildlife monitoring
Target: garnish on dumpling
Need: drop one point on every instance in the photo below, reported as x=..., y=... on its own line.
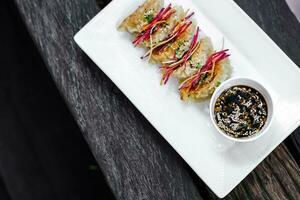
x=142, y=16
x=197, y=60
x=172, y=39
x=161, y=28
x=169, y=67
x=207, y=78
x=177, y=44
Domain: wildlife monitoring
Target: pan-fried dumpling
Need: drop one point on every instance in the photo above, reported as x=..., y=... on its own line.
x=142, y=16
x=163, y=32
x=202, y=85
x=198, y=59
x=175, y=49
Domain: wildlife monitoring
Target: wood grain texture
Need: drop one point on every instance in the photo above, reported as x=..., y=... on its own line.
x=277, y=177
x=136, y=161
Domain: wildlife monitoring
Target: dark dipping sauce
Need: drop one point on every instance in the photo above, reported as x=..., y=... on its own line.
x=241, y=111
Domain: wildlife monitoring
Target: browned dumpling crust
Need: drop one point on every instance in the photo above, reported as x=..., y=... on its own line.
x=198, y=59
x=166, y=27
x=176, y=48
x=205, y=89
x=141, y=16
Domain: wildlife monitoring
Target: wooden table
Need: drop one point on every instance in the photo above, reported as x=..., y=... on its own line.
x=136, y=161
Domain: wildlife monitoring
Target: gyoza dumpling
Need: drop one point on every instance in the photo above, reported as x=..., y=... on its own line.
x=166, y=27
x=176, y=49
x=198, y=59
x=141, y=16
x=222, y=73
x=202, y=85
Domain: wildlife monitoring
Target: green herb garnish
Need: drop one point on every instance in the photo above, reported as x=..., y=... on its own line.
x=203, y=77
x=180, y=43
x=178, y=52
x=218, y=83
x=198, y=65
x=148, y=18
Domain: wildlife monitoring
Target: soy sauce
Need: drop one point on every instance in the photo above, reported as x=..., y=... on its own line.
x=241, y=111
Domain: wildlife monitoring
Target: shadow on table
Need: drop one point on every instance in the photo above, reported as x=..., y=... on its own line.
x=42, y=152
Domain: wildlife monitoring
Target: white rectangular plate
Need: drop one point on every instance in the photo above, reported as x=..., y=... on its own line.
x=220, y=163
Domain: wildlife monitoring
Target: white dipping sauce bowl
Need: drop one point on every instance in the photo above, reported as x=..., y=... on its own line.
x=242, y=82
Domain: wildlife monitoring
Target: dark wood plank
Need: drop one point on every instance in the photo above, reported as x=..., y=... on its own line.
x=277, y=177
x=36, y=112
x=293, y=144
x=137, y=162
